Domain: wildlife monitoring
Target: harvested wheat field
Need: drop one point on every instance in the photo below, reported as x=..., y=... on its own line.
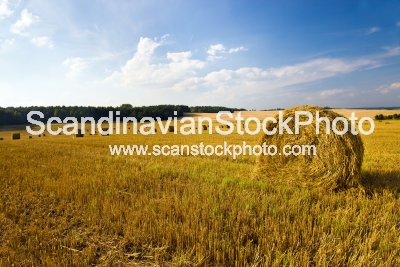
x=67, y=201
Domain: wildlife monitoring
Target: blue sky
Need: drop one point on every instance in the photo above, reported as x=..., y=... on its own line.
x=250, y=54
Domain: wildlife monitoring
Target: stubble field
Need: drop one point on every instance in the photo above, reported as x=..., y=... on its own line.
x=67, y=202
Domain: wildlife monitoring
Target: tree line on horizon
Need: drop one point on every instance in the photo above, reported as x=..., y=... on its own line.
x=387, y=117
x=18, y=115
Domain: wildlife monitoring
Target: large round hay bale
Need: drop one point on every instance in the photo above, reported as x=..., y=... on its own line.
x=336, y=163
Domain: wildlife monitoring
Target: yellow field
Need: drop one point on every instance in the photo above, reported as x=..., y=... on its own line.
x=68, y=202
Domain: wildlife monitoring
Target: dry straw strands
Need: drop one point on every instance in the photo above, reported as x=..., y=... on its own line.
x=338, y=159
x=15, y=136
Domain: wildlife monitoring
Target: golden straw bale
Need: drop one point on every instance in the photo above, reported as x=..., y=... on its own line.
x=336, y=164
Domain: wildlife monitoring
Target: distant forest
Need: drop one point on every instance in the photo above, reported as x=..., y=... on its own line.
x=387, y=117
x=215, y=109
x=18, y=115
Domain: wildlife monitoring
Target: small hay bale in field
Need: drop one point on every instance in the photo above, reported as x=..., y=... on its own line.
x=30, y=137
x=39, y=135
x=205, y=128
x=336, y=164
x=44, y=135
x=171, y=129
x=1, y=138
x=79, y=133
x=380, y=121
x=15, y=136
x=387, y=122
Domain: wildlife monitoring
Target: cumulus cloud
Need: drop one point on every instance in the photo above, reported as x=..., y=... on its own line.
x=76, y=65
x=372, y=30
x=182, y=73
x=140, y=70
x=42, y=41
x=237, y=49
x=26, y=20
x=213, y=50
x=5, y=11
x=384, y=89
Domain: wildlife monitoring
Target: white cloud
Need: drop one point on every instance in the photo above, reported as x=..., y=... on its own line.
x=214, y=49
x=395, y=85
x=237, y=49
x=247, y=81
x=141, y=71
x=76, y=65
x=42, y=41
x=5, y=11
x=384, y=89
x=398, y=24
x=26, y=20
x=372, y=30
x=328, y=93
x=176, y=57
x=392, y=51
